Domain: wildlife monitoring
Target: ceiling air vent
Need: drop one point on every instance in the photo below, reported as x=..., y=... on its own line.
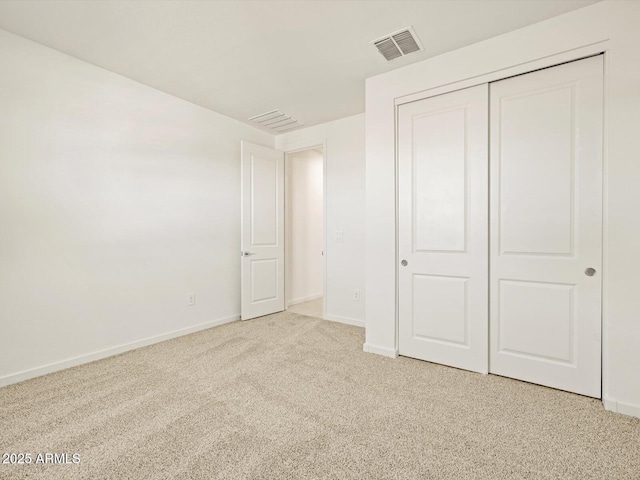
x=275, y=121
x=398, y=44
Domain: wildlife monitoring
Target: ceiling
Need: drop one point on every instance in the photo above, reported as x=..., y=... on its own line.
x=242, y=58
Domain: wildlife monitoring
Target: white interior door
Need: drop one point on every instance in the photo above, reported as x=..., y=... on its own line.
x=443, y=229
x=546, y=226
x=262, y=234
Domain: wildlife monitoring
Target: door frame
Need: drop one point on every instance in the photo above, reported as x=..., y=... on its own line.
x=288, y=152
x=600, y=48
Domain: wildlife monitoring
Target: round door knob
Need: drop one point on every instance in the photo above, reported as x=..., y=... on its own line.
x=404, y=263
x=590, y=272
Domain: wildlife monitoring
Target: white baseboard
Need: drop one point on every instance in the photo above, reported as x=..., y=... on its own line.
x=621, y=407
x=109, y=352
x=348, y=320
x=384, y=351
x=304, y=299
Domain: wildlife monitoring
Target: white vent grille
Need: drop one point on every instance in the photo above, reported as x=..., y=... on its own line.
x=398, y=44
x=275, y=121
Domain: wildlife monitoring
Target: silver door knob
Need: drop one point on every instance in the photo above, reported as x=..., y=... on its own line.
x=590, y=272
x=404, y=263
x=246, y=254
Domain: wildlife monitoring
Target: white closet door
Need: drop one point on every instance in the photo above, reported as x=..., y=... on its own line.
x=443, y=229
x=546, y=226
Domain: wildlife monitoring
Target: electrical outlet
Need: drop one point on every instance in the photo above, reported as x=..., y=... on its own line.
x=338, y=236
x=356, y=295
x=191, y=299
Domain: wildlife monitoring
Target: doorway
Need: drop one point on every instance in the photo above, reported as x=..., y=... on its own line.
x=304, y=232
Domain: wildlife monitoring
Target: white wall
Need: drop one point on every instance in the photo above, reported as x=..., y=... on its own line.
x=615, y=25
x=345, y=203
x=116, y=200
x=304, y=276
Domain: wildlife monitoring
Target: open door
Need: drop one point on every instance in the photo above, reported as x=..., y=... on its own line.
x=262, y=237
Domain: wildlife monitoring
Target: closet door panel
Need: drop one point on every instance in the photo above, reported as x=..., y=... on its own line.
x=536, y=150
x=546, y=226
x=443, y=229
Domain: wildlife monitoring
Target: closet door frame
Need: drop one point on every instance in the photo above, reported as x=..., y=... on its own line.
x=600, y=48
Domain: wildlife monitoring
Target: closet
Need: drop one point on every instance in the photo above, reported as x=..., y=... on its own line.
x=500, y=227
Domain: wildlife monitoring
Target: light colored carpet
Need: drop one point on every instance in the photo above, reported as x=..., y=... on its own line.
x=293, y=397
x=312, y=308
